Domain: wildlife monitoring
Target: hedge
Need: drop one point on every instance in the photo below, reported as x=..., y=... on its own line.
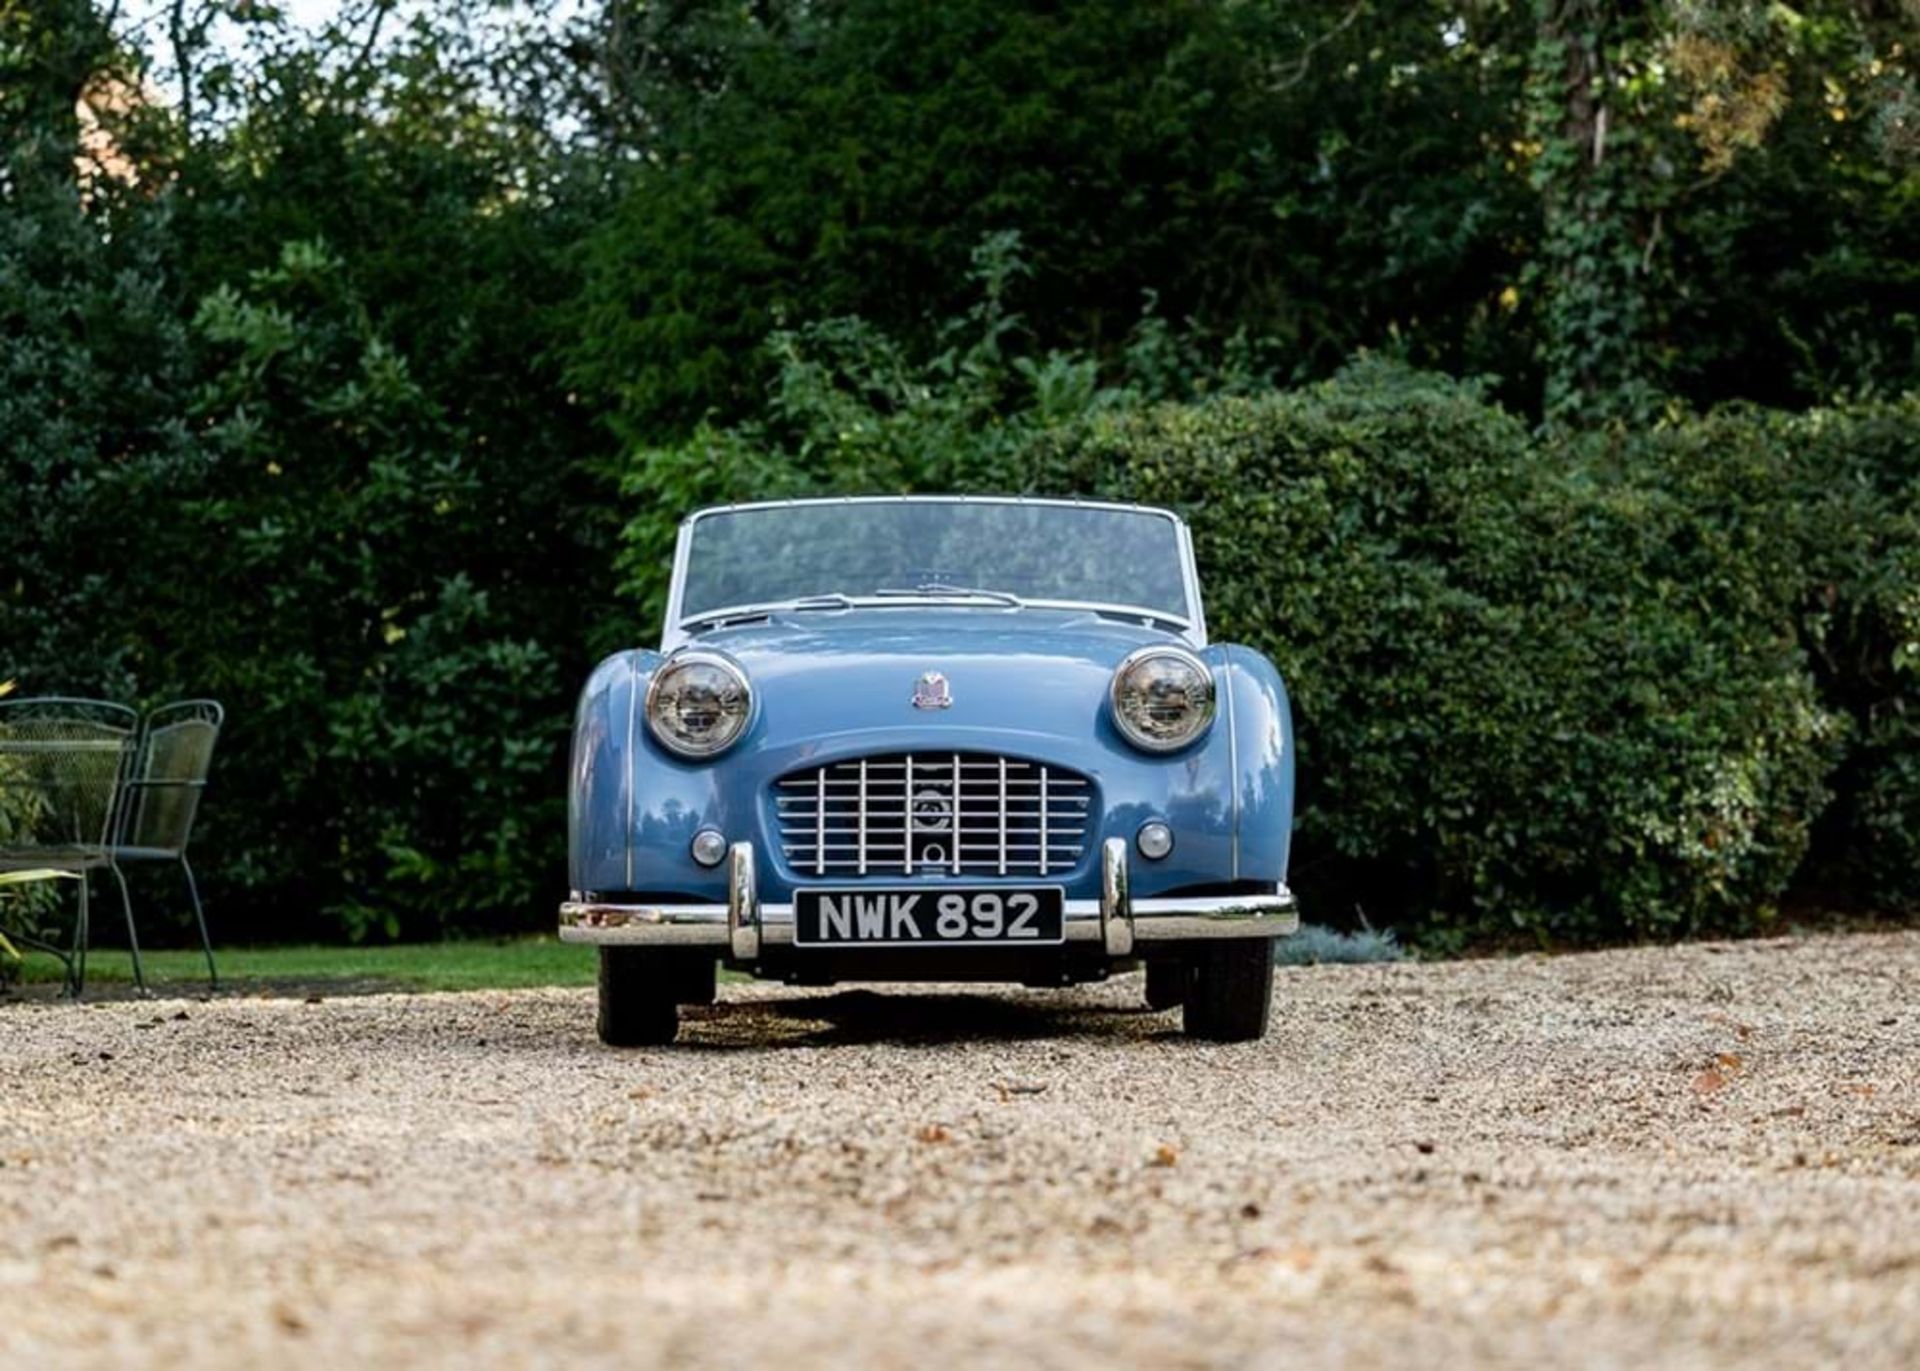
x=1548, y=689
x=1568, y=691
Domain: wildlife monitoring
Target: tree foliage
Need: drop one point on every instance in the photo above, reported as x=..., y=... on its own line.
x=353, y=372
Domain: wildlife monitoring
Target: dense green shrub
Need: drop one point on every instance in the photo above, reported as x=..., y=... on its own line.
x=1809, y=523
x=402, y=725
x=1546, y=688
x=1509, y=721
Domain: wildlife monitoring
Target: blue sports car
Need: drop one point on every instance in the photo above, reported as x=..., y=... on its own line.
x=932, y=738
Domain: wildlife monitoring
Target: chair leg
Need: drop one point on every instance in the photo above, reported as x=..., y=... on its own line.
x=200, y=917
x=77, y=966
x=133, y=937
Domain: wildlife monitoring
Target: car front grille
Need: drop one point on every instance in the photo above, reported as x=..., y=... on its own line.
x=927, y=813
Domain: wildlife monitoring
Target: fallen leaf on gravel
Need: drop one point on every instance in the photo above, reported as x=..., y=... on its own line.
x=1708, y=1081
x=1423, y=1147
x=1166, y=1154
x=1007, y=1088
x=934, y=1133
x=1730, y=1061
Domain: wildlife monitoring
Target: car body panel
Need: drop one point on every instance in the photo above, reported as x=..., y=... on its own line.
x=833, y=685
x=842, y=682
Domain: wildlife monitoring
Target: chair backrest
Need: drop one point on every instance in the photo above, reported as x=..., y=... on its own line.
x=62, y=762
x=169, y=774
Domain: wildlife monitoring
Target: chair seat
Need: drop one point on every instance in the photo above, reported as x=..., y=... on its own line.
x=145, y=854
x=52, y=858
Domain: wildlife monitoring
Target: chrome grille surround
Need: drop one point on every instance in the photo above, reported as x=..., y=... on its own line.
x=933, y=813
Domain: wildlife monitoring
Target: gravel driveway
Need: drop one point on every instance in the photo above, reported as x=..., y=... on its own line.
x=1699, y=1156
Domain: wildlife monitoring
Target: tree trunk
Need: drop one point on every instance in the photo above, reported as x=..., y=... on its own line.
x=1595, y=198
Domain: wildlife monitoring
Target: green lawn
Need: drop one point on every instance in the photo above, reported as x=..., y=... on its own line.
x=481, y=964
x=478, y=965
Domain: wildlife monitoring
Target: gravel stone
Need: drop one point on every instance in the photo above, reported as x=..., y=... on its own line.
x=1698, y=1156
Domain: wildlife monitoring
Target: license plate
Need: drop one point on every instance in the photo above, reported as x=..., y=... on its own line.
x=903, y=916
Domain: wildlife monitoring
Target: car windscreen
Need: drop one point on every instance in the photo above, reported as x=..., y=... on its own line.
x=1075, y=553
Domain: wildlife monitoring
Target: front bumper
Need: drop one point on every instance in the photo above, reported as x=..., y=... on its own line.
x=743, y=925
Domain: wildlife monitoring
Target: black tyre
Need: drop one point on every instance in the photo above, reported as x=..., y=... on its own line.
x=1167, y=984
x=641, y=991
x=1232, y=990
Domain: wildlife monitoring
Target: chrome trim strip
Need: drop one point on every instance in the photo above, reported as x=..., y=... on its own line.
x=1116, y=906
x=1073, y=502
x=670, y=635
x=743, y=904
x=863, y=818
x=743, y=926
x=1191, y=571
x=633, y=709
x=1263, y=916
x=1233, y=769
x=1003, y=812
x=756, y=609
x=1046, y=831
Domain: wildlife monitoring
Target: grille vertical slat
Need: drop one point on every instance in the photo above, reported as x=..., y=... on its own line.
x=1045, y=827
x=953, y=813
x=863, y=817
x=1003, y=820
x=959, y=797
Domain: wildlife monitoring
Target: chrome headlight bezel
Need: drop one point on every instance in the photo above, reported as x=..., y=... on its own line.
x=1202, y=709
x=660, y=696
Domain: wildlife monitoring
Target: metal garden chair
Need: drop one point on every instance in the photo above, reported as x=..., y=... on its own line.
x=62, y=762
x=161, y=799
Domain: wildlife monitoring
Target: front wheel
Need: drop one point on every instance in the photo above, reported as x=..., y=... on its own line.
x=642, y=989
x=1231, y=991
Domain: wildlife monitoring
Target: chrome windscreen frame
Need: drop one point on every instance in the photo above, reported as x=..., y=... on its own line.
x=1192, y=628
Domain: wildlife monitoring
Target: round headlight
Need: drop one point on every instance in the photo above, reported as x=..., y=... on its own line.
x=697, y=704
x=1162, y=698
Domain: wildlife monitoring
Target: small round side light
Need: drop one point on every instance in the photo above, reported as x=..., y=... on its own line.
x=1155, y=840
x=709, y=847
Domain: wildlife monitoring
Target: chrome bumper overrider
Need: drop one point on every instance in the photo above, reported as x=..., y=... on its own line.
x=743, y=925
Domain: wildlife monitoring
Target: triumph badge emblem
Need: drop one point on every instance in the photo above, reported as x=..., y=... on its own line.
x=930, y=692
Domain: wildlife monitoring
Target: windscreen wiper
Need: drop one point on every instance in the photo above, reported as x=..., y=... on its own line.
x=740, y=614
x=942, y=588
